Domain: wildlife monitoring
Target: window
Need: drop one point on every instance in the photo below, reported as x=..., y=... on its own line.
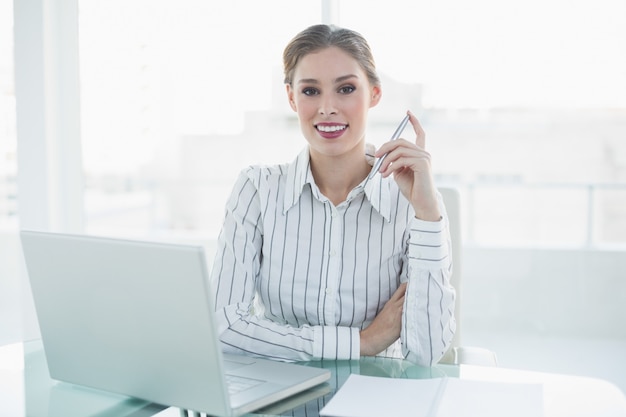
x=8, y=141
x=177, y=98
x=524, y=105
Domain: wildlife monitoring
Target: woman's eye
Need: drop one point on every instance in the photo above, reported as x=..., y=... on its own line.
x=347, y=89
x=309, y=91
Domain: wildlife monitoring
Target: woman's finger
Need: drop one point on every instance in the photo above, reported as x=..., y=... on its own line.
x=420, y=135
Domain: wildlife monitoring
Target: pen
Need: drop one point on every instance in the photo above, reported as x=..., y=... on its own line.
x=395, y=136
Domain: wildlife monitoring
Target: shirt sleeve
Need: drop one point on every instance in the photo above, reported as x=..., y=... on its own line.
x=428, y=322
x=241, y=323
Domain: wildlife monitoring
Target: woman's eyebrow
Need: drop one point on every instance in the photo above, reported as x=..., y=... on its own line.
x=344, y=78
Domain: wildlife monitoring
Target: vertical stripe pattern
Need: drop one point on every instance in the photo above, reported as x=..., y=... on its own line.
x=296, y=278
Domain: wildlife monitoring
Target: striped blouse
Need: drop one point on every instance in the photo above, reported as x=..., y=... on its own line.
x=296, y=277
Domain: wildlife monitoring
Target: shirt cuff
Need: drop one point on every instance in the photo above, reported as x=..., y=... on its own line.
x=428, y=241
x=336, y=342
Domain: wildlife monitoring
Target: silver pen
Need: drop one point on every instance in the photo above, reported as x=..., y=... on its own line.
x=395, y=136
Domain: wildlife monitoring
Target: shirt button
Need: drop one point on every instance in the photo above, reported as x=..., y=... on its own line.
x=329, y=291
x=417, y=236
x=332, y=252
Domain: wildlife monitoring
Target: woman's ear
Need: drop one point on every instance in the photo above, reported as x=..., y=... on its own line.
x=377, y=93
x=290, y=93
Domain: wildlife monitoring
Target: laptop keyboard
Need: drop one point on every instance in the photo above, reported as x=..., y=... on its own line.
x=237, y=384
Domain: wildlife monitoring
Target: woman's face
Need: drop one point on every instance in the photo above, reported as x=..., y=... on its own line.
x=332, y=95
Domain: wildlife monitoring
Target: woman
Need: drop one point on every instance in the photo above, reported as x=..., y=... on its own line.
x=316, y=260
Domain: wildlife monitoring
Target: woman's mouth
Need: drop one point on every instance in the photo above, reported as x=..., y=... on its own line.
x=331, y=130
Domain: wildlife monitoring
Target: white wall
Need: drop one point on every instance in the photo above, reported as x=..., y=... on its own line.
x=552, y=292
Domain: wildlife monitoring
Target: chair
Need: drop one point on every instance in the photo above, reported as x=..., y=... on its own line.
x=458, y=354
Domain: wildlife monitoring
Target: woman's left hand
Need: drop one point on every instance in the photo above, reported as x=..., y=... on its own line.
x=411, y=168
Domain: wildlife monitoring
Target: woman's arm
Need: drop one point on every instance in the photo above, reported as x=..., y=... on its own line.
x=428, y=322
x=428, y=312
x=421, y=311
x=242, y=326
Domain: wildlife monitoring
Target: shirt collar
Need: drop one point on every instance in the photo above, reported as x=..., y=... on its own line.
x=376, y=188
x=298, y=174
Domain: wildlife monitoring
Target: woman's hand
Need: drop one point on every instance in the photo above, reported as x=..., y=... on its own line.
x=410, y=165
x=385, y=329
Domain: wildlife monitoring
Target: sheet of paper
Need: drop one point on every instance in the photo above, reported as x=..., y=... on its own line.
x=365, y=396
x=468, y=398
x=368, y=396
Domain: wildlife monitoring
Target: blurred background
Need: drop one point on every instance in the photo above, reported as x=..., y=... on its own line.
x=132, y=119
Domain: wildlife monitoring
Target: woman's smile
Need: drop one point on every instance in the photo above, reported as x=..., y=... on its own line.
x=331, y=130
x=332, y=96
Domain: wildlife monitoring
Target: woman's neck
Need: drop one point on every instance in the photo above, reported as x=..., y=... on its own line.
x=336, y=176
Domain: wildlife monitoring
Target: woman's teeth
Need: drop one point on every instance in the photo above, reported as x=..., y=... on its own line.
x=333, y=128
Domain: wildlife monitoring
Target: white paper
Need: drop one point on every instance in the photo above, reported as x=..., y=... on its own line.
x=467, y=398
x=366, y=396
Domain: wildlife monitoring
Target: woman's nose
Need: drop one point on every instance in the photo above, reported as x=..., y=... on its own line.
x=327, y=106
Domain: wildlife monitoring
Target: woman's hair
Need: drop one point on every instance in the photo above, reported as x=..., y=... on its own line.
x=319, y=37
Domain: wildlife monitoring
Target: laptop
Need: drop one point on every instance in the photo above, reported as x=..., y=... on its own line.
x=137, y=318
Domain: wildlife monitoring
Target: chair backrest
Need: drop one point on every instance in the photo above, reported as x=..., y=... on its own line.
x=452, y=201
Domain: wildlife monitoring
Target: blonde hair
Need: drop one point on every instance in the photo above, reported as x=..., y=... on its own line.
x=319, y=37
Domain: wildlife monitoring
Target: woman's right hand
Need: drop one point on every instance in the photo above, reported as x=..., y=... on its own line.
x=385, y=329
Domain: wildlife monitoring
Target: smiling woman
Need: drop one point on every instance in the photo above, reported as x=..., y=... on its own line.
x=325, y=257
x=332, y=94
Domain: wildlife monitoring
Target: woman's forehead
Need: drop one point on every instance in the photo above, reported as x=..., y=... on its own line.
x=330, y=63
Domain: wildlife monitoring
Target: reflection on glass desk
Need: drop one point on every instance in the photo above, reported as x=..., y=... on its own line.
x=310, y=402
x=27, y=390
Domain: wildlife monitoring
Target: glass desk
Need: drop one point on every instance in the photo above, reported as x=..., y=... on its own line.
x=27, y=390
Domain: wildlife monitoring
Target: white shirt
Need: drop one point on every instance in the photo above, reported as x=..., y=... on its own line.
x=296, y=278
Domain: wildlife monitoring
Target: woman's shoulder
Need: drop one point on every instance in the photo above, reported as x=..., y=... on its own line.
x=298, y=165
x=262, y=173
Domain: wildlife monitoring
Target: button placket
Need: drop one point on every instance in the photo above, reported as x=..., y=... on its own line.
x=334, y=262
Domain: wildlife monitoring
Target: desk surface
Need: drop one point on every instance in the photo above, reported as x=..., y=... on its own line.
x=26, y=389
